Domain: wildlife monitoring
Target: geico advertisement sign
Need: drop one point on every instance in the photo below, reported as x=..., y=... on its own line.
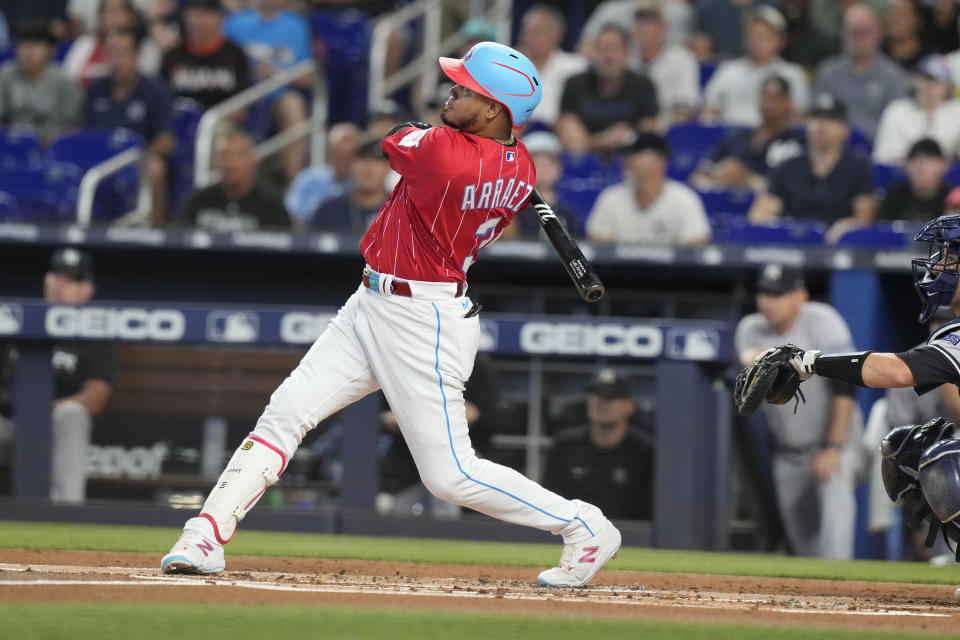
x=110, y=324
x=563, y=338
x=299, y=327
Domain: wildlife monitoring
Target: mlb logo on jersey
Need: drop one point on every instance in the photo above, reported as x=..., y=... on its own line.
x=511, y=156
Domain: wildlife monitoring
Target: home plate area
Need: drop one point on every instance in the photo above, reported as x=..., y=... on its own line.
x=86, y=576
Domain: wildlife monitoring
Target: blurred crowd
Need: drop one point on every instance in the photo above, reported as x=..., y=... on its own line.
x=662, y=121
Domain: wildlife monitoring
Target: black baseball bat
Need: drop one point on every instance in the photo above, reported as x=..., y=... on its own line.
x=584, y=276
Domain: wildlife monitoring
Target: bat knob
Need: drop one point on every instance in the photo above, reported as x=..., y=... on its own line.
x=594, y=293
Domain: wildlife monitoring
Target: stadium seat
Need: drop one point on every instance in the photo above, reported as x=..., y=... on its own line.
x=583, y=178
x=735, y=201
x=706, y=72
x=19, y=146
x=118, y=193
x=342, y=41
x=953, y=175
x=886, y=174
x=43, y=192
x=895, y=235
x=9, y=207
x=88, y=148
x=186, y=116
x=784, y=231
x=689, y=144
x=859, y=142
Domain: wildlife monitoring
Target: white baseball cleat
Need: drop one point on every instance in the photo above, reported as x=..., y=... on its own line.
x=194, y=552
x=580, y=562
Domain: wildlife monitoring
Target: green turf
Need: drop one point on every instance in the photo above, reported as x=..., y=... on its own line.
x=20, y=535
x=49, y=621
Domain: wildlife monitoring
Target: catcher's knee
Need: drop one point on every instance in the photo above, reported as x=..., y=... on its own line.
x=940, y=478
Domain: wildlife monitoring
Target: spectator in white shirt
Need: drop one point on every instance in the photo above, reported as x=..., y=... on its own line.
x=931, y=112
x=541, y=31
x=647, y=207
x=674, y=70
x=733, y=92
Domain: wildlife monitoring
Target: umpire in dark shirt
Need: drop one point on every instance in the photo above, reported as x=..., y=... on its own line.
x=82, y=377
x=607, y=462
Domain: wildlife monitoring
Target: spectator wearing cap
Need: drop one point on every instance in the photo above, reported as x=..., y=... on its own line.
x=128, y=99
x=355, y=209
x=816, y=453
x=923, y=195
x=239, y=202
x=673, y=69
x=602, y=108
x=828, y=182
x=274, y=39
x=545, y=150
x=34, y=92
x=542, y=29
x=206, y=67
x=647, y=207
x=607, y=461
x=745, y=158
x=931, y=112
x=904, y=42
x=83, y=374
x=733, y=93
x=862, y=77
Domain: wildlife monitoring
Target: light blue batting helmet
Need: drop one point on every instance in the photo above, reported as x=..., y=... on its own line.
x=501, y=74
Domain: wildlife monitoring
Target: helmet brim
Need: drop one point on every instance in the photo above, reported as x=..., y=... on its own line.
x=455, y=70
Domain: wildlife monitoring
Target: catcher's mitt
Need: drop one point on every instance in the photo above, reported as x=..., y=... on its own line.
x=770, y=377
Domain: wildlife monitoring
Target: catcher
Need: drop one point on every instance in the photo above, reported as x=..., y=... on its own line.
x=921, y=463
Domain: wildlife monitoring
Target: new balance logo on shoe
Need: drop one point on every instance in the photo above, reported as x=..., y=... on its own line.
x=206, y=547
x=589, y=553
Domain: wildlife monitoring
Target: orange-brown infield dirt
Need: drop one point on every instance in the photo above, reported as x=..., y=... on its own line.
x=78, y=576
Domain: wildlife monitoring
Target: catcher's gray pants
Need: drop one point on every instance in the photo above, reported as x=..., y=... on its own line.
x=71, y=425
x=818, y=518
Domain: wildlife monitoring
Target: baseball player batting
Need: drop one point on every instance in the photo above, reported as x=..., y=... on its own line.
x=920, y=463
x=410, y=330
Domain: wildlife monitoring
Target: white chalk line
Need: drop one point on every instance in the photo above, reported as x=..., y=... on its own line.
x=611, y=595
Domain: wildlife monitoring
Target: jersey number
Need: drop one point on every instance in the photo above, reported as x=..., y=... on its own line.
x=486, y=232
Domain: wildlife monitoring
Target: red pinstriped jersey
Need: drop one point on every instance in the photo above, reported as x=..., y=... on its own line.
x=456, y=194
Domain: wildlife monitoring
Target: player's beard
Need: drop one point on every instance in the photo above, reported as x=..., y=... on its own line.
x=458, y=125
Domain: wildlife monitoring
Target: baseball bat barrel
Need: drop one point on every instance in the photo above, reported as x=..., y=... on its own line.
x=584, y=276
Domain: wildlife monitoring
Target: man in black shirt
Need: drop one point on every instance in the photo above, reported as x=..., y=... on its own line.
x=206, y=67
x=239, y=202
x=607, y=461
x=828, y=182
x=82, y=378
x=923, y=195
x=602, y=108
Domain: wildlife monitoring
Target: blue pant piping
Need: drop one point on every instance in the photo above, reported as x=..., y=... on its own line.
x=450, y=437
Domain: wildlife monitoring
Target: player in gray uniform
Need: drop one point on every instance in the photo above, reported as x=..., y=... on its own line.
x=816, y=452
x=921, y=463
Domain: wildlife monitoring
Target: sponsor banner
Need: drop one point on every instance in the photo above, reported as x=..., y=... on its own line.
x=508, y=334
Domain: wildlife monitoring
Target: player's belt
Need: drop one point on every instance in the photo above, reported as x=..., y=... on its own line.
x=398, y=287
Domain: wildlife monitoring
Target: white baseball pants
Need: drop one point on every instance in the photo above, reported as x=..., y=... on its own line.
x=420, y=350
